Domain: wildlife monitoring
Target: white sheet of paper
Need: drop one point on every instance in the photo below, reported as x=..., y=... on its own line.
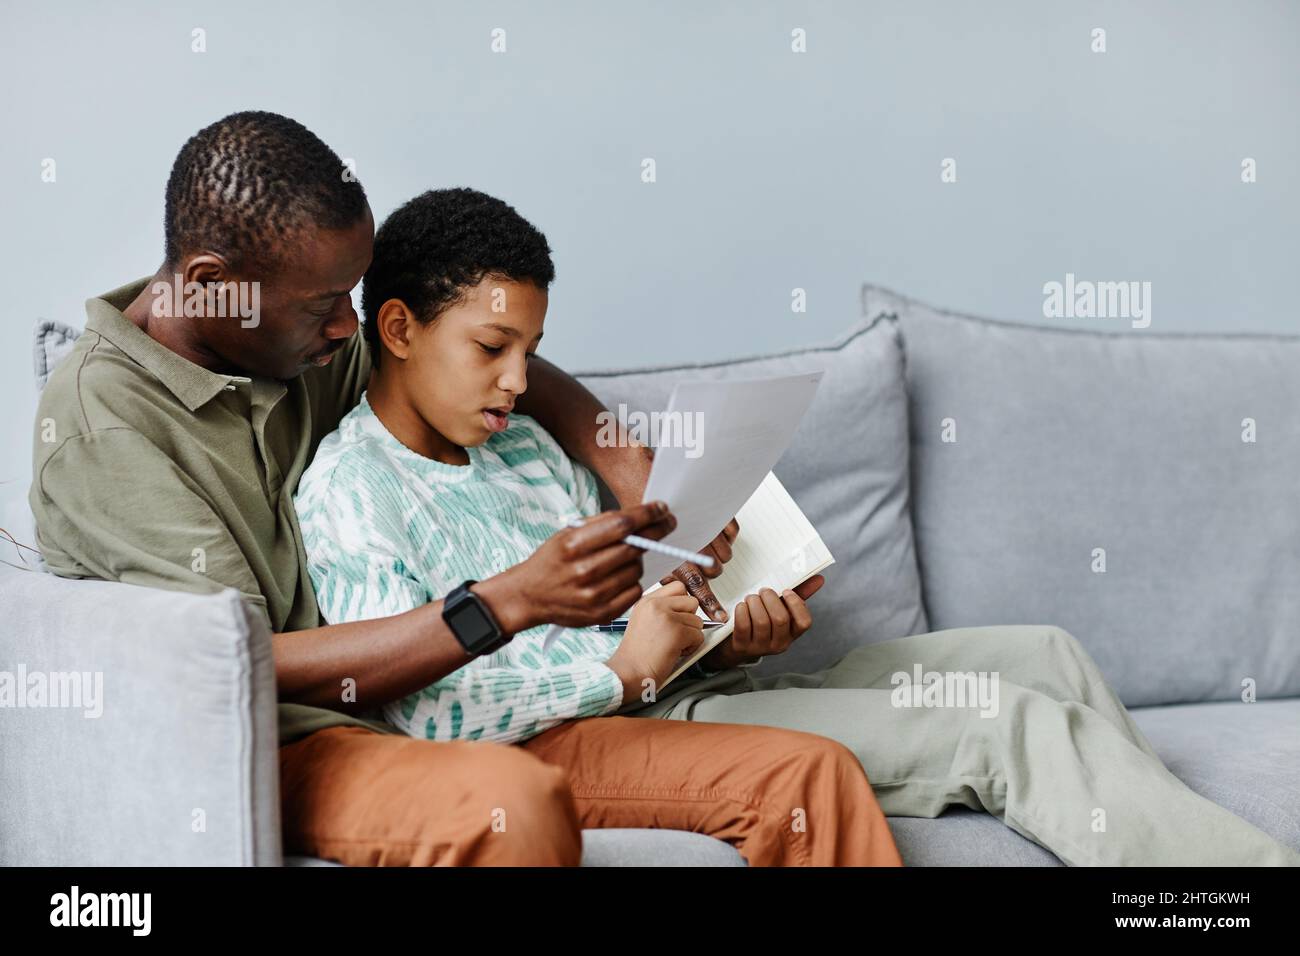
x=743, y=429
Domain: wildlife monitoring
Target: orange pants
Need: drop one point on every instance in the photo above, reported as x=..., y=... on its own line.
x=780, y=797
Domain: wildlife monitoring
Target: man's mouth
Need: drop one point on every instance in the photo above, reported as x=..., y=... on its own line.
x=323, y=357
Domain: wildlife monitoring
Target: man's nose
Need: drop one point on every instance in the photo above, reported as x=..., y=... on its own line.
x=345, y=324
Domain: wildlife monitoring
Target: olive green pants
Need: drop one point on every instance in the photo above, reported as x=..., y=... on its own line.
x=1013, y=720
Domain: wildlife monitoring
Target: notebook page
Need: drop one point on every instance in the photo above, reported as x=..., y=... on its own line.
x=777, y=548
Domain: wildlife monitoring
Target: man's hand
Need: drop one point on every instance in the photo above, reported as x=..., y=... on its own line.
x=766, y=624
x=696, y=578
x=579, y=576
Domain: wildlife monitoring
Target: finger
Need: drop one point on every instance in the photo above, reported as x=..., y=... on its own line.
x=658, y=530
x=606, y=563
x=610, y=527
x=615, y=584
x=731, y=530
x=811, y=586
x=800, y=616
x=710, y=570
x=618, y=554
x=779, y=618
x=689, y=640
x=672, y=589
x=742, y=635
x=683, y=603
x=687, y=619
x=619, y=605
x=759, y=625
x=720, y=547
x=695, y=583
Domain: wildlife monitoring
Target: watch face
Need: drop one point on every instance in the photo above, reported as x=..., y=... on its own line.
x=471, y=625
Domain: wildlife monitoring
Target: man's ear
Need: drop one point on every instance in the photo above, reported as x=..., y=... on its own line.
x=211, y=272
x=206, y=267
x=394, y=322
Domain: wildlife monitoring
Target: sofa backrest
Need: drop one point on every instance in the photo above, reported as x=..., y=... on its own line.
x=1140, y=489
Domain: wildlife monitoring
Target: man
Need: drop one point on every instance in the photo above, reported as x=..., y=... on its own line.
x=182, y=422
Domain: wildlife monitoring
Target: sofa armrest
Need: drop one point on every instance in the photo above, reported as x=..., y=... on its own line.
x=155, y=741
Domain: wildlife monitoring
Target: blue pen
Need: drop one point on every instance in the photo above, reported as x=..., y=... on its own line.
x=621, y=625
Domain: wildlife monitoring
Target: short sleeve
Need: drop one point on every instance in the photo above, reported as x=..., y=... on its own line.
x=109, y=504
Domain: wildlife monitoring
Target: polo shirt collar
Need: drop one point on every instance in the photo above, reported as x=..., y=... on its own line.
x=192, y=384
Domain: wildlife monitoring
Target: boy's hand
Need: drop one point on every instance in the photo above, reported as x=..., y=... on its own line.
x=581, y=576
x=695, y=577
x=662, y=627
x=766, y=624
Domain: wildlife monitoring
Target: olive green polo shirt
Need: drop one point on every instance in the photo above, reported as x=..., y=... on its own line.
x=151, y=470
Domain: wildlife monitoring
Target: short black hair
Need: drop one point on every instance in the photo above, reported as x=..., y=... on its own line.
x=246, y=185
x=435, y=248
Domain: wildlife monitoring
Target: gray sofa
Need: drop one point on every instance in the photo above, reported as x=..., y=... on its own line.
x=1137, y=488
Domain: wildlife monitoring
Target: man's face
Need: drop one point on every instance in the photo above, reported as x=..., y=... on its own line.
x=306, y=312
x=471, y=359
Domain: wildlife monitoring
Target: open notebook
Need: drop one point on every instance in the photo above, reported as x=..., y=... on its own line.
x=777, y=548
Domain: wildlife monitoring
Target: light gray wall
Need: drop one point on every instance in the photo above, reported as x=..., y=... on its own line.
x=775, y=170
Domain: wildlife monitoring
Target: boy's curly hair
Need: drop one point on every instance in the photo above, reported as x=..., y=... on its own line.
x=435, y=248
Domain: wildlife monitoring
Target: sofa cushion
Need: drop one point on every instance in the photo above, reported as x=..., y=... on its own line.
x=1070, y=442
x=627, y=847
x=963, y=837
x=847, y=469
x=1244, y=757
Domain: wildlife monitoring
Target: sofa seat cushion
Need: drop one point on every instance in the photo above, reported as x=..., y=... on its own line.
x=1244, y=757
x=628, y=847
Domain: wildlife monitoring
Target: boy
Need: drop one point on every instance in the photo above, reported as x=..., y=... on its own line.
x=431, y=482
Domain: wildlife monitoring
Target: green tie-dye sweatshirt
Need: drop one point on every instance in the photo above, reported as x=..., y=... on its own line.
x=387, y=530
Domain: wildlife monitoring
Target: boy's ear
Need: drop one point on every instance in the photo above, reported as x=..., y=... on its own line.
x=394, y=326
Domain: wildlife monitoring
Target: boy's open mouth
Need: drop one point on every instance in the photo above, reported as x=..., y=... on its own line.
x=497, y=419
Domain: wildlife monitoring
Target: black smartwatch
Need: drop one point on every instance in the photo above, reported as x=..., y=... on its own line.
x=471, y=621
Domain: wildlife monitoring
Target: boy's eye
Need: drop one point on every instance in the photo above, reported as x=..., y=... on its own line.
x=495, y=349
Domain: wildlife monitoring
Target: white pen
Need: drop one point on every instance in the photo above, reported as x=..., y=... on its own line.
x=648, y=544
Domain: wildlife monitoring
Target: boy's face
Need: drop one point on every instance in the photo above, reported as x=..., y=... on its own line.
x=464, y=370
